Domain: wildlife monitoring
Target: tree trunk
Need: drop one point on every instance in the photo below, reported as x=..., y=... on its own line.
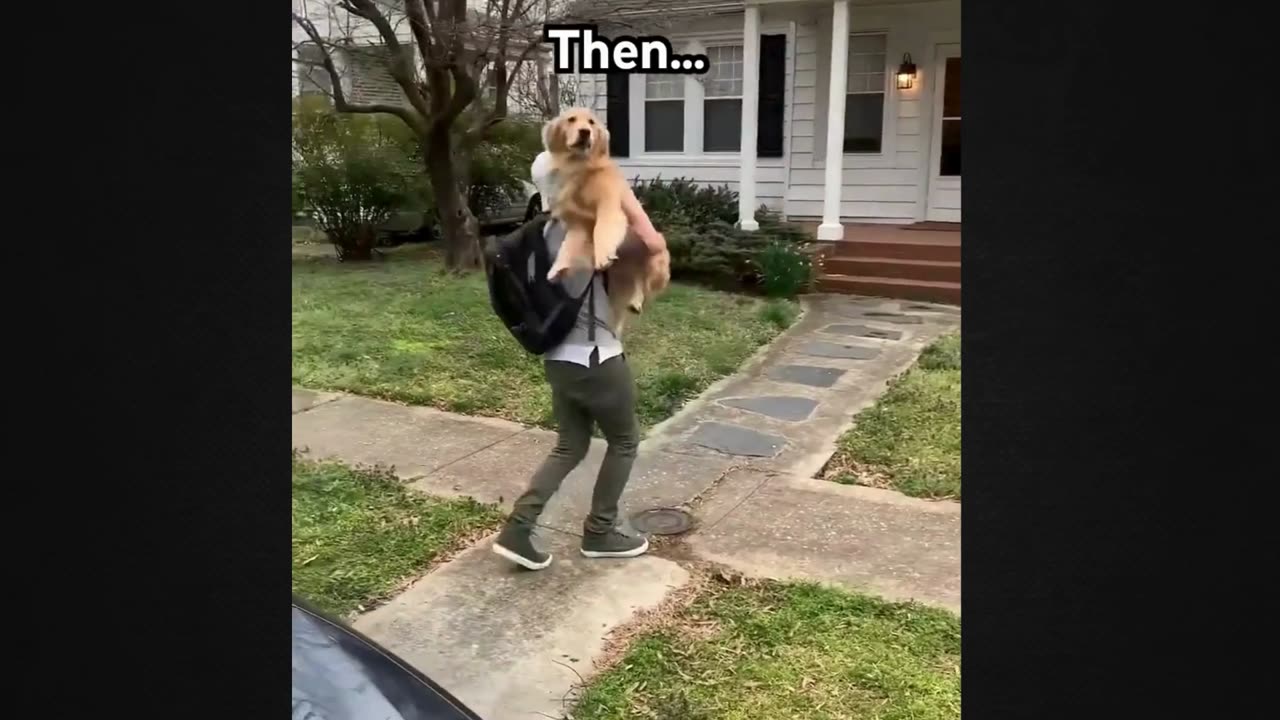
x=553, y=84
x=458, y=225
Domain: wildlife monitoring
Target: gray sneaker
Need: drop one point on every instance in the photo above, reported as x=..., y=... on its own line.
x=515, y=543
x=612, y=544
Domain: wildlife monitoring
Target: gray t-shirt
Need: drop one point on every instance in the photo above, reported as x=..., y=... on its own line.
x=575, y=283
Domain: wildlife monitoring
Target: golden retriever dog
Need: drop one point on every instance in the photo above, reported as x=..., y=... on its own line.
x=635, y=279
x=589, y=204
x=591, y=187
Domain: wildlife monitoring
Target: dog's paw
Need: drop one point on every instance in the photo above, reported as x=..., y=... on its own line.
x=603, y=263
x=556, y=273
x=635, y=308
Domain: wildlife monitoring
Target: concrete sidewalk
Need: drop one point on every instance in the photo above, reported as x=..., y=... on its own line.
x=741, y=457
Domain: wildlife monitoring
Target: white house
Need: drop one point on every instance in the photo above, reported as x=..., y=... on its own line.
x=802, y=109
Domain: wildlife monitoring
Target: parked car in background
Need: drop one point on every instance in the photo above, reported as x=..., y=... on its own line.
x=339, y=674
x=408, y=225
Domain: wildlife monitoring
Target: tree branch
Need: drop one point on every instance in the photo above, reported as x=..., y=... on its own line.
x=401, y=66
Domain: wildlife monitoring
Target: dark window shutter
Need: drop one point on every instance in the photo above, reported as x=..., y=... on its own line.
x=773, y=82
x=618, y=114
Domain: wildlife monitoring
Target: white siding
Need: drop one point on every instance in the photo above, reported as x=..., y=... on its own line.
x=885, y=187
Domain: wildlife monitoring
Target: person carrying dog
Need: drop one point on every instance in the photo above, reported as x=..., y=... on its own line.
x=591, y=384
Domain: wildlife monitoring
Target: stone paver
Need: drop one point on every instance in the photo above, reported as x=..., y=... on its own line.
x=806, y=375
x=822, y=348
x=863, y=331
x=782, y=407
x=890, y=317
x=737, y=440
x=869, y=540
x=507, y=642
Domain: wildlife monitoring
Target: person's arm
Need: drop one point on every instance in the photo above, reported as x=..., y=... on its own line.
x=640, y=224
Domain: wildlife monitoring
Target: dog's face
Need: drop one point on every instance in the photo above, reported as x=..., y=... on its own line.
x=577, y=131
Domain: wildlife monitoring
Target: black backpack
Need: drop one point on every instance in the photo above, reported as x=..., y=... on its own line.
x=537, y=312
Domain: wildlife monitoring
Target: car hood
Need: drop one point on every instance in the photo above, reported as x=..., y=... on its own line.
x=339, y=674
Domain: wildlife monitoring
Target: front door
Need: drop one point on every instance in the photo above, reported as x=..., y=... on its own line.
x=944, y=155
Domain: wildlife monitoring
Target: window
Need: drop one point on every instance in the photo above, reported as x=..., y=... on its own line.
x=664, y=113
x=722, y=103
x=949, y=157
x=864, y=99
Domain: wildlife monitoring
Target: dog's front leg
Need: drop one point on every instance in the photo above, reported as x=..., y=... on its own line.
x=574, y=248
x=609, y=232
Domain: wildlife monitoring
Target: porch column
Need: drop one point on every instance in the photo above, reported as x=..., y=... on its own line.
x=750, y=105
x=831, y=229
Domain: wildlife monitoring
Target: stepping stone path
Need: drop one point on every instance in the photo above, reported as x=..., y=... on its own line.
x=501, y=638
x=782, y=407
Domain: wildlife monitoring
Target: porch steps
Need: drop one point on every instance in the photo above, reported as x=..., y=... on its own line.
x=896, y=288
x=896, y=268
x=894, y=261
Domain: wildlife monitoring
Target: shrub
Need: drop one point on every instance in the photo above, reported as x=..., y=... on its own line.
x=687, y=201
x=699, y=224
x=785, y=269
x=349, y=176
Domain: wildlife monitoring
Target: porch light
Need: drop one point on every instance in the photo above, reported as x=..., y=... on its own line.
x=906, y=73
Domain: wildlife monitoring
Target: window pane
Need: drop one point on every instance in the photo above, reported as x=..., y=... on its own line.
x=866, y=63
x=863, y=122
x=874, y=44
x=949, y=161
x=951, y=89
x=664, y=87
x=724, y=77
x=664, y=126
x=722, y=125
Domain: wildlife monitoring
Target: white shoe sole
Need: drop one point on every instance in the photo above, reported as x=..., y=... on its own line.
x=616, y=554
x=516, y=558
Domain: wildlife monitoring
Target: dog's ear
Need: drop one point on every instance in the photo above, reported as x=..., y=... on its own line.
x=552, y=138
x=600, y=146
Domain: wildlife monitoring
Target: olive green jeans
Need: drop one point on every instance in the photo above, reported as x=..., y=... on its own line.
x=580, y=397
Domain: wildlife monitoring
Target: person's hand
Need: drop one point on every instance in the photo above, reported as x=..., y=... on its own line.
x=652, y=239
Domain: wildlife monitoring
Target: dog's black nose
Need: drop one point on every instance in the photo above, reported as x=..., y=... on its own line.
x=583, y=133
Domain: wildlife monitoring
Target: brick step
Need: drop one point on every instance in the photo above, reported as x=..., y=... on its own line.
x=927, y=270
x=894, y=288
x=898, y=249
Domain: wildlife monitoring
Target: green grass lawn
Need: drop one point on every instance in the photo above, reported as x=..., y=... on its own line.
x=910, y=439
x=401, y=329
x=781, y=651
x=359, y=534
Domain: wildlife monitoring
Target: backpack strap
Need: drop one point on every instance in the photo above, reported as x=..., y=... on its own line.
x=591, y=300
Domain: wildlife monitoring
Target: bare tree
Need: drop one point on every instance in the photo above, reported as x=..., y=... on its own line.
x=440, y=64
